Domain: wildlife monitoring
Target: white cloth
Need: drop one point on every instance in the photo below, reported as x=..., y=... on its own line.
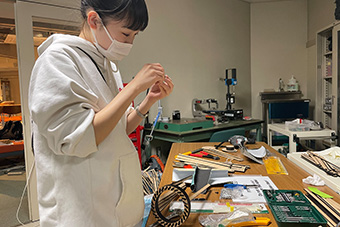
x=80, y=184
x=314, y=180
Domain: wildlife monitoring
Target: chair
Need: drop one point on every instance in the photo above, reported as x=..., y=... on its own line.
x=222, y=136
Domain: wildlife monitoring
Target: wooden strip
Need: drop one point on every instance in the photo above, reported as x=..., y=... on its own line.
x=207, y=161
x=222, y=154
x=199, y=192
x=330, y=223
x=323, y=166
x=169, y=196
x=200, y=160
x=333, y=203
x=338, y=167
x=320, y=163
x=314, y=158
x=210, y=164
x=323, y=204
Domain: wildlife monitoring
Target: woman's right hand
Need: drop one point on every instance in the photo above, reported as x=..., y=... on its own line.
x=148, y=75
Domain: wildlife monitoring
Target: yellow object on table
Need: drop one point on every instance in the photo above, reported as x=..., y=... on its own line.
x=274, y=165
x=257, y=221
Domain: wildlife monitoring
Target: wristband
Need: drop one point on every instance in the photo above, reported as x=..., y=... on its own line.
x=140, y=114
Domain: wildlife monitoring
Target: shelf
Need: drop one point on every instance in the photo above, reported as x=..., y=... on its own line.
x=327, y=77
x=327, y=112
x=328, y=53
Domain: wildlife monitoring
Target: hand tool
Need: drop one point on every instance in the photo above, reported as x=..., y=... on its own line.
x=193, y=152
x=203, y=154
x=182, y=165
x=219, y=145
x=256, y=222
x=240, y=185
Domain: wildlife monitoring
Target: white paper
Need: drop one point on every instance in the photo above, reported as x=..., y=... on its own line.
x=253, y=194
x=219, y=207
x=249, y=195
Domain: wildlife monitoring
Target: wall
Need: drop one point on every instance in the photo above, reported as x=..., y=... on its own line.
x=320, y=15
x=278, y=37
x=65, y=3
x=195, y=41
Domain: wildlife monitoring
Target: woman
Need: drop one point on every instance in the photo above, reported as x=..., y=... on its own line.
x=87, y=168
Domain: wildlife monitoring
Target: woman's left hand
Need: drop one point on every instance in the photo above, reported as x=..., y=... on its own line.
x=160, y=90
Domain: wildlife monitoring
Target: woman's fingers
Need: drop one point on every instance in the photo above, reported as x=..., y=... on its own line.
x=166, y=85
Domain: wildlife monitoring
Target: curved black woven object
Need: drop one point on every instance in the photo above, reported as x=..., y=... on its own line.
x=163, y=221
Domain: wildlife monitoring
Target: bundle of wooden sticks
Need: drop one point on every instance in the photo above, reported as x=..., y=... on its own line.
x=329, y=209
x=201, y=162
x=319, y=161
x=150, y=179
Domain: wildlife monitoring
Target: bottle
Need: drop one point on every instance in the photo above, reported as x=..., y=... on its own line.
x=281, y=85
x=292, y=84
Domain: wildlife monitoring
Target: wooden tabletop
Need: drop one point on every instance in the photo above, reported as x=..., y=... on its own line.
x=292, y=181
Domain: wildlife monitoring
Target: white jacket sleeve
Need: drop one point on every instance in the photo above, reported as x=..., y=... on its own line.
x=62, y=105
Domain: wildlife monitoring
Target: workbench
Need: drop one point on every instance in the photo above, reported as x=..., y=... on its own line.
x=292, y=181
x=15, y=148
x=295, y=135
x=205, y=133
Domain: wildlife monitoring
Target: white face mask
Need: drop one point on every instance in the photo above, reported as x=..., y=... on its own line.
x=116, y=51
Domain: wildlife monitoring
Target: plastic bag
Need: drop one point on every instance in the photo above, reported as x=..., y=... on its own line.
x=217, y=220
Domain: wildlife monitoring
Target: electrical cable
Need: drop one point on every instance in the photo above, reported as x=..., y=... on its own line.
x=149, y=138
x=23, y=193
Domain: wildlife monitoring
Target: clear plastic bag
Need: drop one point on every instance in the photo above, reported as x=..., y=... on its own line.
x=218, y=220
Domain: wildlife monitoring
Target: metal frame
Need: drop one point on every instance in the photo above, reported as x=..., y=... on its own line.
x=24, y=13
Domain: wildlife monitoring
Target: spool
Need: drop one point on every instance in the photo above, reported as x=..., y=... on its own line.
x=229, y=148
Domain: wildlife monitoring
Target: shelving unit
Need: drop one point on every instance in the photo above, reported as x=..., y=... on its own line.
x=327, y=108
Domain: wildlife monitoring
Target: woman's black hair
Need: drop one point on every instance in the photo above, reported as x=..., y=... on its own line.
x=134, y=12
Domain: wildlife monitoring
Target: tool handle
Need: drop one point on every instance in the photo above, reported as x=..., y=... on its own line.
x=197, y=155
x=234, y=185
x=193, y=152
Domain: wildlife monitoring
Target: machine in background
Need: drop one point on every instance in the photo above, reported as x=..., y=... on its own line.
x=222, y=115
x=232, y=81
x=197, y=107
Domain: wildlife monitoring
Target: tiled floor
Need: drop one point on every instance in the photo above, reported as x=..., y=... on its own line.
x=11, y=189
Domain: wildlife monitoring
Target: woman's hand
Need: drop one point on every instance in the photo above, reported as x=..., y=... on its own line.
x=147, y=76
x=160, y=89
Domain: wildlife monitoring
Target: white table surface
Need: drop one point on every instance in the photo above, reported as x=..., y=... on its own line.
x=281, y=128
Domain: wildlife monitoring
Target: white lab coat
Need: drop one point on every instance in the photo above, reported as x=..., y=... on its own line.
x=79, y=183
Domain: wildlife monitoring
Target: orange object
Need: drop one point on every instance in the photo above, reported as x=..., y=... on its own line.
x=14, y=146
x=158, y=161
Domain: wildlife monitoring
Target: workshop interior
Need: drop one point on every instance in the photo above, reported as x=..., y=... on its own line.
x=249, y=135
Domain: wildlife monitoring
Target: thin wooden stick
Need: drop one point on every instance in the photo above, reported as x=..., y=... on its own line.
x=206, y=161
x=321, y=163
x=221, y=153
x=333, y=203
x=323, y=204
x=330, y=223
x=199, y=192
x=216, y=165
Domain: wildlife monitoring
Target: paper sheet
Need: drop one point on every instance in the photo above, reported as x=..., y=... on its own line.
x=253, y=194
x=250, y=195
